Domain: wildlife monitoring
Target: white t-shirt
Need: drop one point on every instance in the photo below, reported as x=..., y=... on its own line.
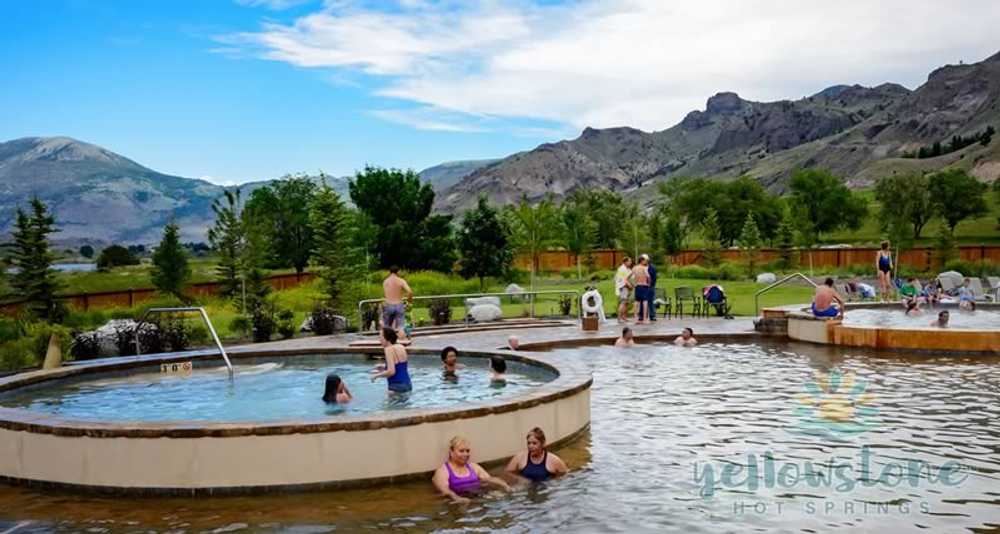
x=622, y=276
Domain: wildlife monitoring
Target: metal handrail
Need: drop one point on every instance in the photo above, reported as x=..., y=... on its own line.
x=756, y=296
x=208, y=323
x=530, y=294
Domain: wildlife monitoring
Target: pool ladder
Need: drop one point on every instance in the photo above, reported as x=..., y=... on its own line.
x=204, y=316
x=756, y=296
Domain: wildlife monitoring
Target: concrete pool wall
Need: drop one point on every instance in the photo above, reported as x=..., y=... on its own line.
x=191, y=457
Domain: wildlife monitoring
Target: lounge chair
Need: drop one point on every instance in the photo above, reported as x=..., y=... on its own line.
x=949, y=284
x=994, y=286
x=976, y=285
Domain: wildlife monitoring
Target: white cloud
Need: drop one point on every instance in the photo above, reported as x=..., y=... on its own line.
x=642, y=63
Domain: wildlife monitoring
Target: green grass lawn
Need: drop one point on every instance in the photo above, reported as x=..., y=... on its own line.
x=135, y=277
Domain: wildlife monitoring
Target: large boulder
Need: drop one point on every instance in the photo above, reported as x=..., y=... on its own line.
x=482, y=313
x=766, y=278
x=476, y=301
x=108, y=336
x=513, y=289
x=339, y=324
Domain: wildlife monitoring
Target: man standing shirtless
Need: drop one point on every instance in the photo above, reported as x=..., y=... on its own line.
x=394, y=290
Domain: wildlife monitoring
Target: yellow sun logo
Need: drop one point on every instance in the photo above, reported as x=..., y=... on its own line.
x=835, y=403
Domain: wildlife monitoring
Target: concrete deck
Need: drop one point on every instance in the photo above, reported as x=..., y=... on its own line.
x=497, y=338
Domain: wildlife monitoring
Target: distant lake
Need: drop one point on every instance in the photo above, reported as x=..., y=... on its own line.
x=67, y=267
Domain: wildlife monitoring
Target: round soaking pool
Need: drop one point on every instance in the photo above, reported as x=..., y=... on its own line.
x=289, y=388
x=128, y=427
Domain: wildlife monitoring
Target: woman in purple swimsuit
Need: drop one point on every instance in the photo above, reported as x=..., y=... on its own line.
x=458, y=476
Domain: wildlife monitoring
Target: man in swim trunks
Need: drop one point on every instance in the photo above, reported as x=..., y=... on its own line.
x=826, y=295
x=623, y=288
x=394, y=290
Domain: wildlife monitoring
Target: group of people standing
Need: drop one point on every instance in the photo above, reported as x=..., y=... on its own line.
x=639, y=278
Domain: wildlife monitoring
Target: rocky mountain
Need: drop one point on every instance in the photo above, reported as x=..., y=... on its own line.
x=100, y=197
x=447, y=174
x=857, y=132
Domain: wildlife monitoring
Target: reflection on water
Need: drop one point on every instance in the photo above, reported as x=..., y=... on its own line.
x=657, y=412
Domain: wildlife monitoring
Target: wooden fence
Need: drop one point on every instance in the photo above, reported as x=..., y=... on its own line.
x=130, y=297
x=922, y=258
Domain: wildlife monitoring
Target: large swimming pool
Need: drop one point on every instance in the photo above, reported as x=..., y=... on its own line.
x=910, y=443
x=290, y=388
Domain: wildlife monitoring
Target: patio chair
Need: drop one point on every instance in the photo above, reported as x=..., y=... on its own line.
x=662, y=302
x=994, y=286
x=949, y=284
x=683, y=293
x=976, y=285
x=715, y=297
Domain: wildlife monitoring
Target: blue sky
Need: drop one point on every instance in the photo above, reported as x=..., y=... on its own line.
x=239, y=90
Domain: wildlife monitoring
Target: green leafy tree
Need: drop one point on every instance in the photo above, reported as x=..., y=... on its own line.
x=35, y=281
x=710, y=231
x=579, y=231
x=399, y=204
x=607, y=209
x=672, y=235
x=533, y=229
x=821, y=203
x=334, y=253
x=484, y=243
x=905, y=200
x=282, y=212
x=944, y=245
x=996, y=197
x=957, y=196
x=170, y=263
x=87, y=251
x=731, y=200
x=227, y=238
x=115, y=256
x=750, y=243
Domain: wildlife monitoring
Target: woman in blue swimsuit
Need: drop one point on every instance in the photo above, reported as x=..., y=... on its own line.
x=396, y=373
x=536, y=464
x=884, y=267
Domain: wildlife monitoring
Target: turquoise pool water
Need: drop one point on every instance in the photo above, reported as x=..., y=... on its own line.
x=280, y=389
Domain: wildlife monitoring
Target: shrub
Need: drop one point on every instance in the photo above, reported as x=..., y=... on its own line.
x=286, y=324
x=566, y=304
x=85, y=346
x=323, y=320
x=198, y=335
x=262, y=318
x=29, y=348
x=979, y=269
x=692, y=272
x=440, y=311
x=240, y=324
x=175, y=333
x=729, y=271
x=115, y=256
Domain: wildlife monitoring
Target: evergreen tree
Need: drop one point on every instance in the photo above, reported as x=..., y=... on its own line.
x=333, y=253
x=750, y=242
x=251, y=262
x=484, y=244
x=35, y=281
x=227, y=238
x=170, y=263
x=786, y=242
x=711, y=233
